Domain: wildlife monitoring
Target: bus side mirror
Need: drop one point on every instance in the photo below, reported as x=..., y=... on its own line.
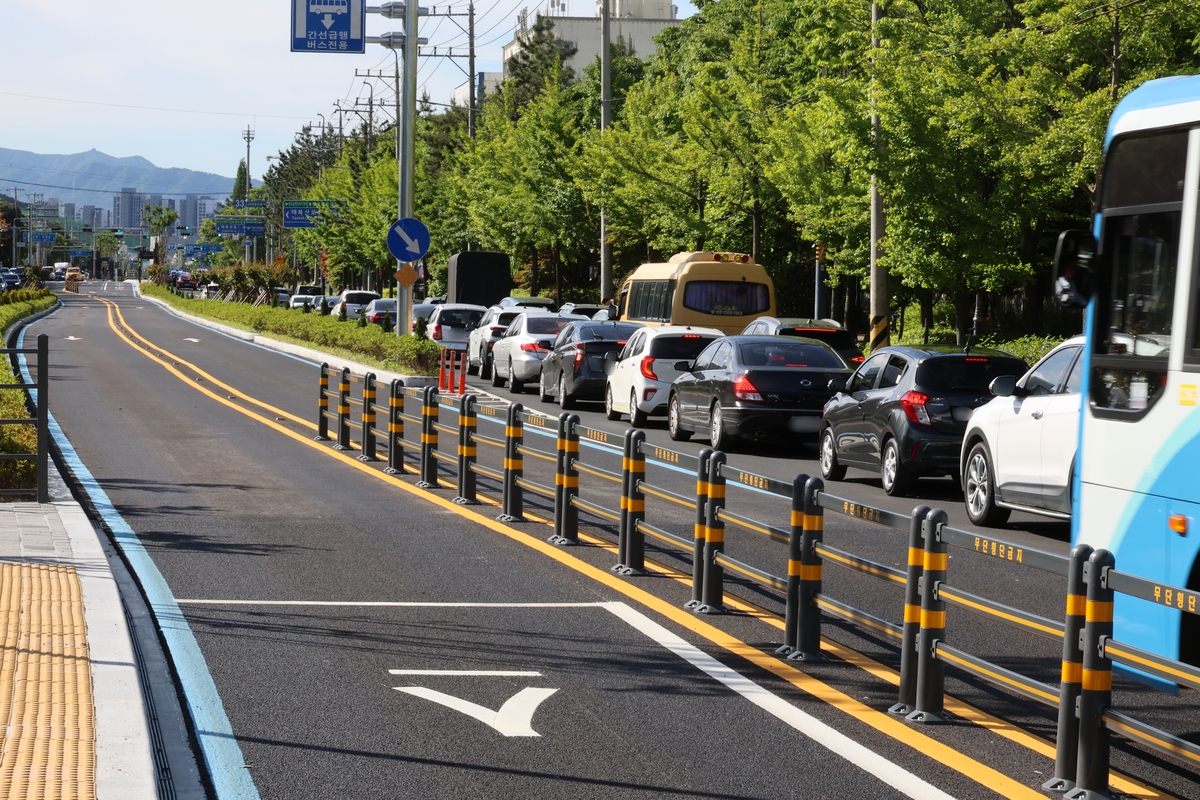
x=1073, y=269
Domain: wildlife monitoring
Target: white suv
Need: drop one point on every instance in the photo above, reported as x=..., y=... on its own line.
x=1019, y=449
x=639, y=381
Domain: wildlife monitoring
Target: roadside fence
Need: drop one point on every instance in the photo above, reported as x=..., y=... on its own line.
x=925, y=588
x=71, y=286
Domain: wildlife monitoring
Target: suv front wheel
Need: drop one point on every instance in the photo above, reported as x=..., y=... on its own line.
x=979, y=490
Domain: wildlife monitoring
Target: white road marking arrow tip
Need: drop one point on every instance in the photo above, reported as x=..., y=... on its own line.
x=191, y=340
x=73, y=339
x=514, y=718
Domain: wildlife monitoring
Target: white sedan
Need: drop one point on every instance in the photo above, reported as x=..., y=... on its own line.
x=517, y=357
x=1019, y=449
x=639, y=381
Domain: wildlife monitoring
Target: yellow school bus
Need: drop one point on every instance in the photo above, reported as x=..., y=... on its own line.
x=710, y=290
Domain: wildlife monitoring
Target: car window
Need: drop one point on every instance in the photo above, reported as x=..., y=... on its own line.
x=705, y=359
x=1047, y=376
x=546, y=324
x=892, y=373
x=865, y=377
x=635, y=346
x=837, y=339
x=607, y=332
x=782, y=353
x=566, y=337
x=1075, y=379
x=514, y=327
x=360, y=298
x=722, y=356
x=965, y=373
x=458, y=318
x=679, y=347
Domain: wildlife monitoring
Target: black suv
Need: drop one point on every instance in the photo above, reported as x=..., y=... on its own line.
x=905, y=410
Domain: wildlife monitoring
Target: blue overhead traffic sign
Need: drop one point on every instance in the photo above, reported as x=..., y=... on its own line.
x=408, y=239
x=80, y=253
x=38, y=237
x=306, y=213
x=329, y=26
x=249, y=204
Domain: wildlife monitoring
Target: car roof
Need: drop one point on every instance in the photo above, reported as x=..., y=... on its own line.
x=938, y=350
x=460, y=307
x=740, y=339
x=679, y=330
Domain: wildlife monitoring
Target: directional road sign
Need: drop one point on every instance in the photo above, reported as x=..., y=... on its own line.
x=329, y=26
x=304, y=213
x=40, y=237
x=80, y=253
x=408, y=239
x=406, y=276
x=249, y=203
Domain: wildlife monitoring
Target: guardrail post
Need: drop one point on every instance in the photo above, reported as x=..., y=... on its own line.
x=566, y=482
x=395, y=428
x=368, y=418
x=466, y=451
x=1091, y=774
x=323, y=406
x=442, y=371
x=1067, y=753
x=635, y=507
x=698, y=530
x=931, y=673
x=791, y=613
x=43, y=426
x=343, y=418
x=808, y=628
x=907, y=700
x=429, y=438
x=623, y=525
x=713, y=599
x=513, y=506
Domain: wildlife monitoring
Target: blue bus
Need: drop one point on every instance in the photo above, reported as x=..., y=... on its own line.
x=1136, y=488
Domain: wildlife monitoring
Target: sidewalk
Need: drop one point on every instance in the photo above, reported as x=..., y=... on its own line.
x=74, y=719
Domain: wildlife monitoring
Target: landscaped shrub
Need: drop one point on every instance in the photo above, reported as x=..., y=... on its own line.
x=18, y=438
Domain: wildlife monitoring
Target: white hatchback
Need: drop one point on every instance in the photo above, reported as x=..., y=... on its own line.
x=1018, y=452
x=639, y=381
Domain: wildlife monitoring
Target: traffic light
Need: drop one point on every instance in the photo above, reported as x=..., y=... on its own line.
x=820, y=248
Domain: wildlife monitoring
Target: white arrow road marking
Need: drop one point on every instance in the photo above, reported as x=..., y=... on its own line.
x=73, y=339
x=409, y=242
x=192, y=340
x=515, y=717
x=328, y=21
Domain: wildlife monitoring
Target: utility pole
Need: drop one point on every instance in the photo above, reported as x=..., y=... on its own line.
x=248, y=135
x=407, y=155
x=474, y=93
x=879, y=276
x=606, y=285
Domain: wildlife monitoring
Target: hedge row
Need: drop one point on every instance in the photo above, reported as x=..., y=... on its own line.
x=18, y=438
x=405, y=354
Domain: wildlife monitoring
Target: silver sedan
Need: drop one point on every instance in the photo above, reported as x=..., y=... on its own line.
x=517, y=357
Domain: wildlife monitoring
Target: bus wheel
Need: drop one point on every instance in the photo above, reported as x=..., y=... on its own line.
x=979, y=490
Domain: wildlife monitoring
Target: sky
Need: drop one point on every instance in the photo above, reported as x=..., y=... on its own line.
x=178, y=82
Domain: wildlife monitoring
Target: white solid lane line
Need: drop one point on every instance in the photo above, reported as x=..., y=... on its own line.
x=868, y=760
x=384, y=604
x=480, y=673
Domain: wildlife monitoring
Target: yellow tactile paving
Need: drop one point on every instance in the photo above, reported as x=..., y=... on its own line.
x=47, y=720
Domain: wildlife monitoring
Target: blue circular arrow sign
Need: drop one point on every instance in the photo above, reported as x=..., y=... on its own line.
x=408, y=239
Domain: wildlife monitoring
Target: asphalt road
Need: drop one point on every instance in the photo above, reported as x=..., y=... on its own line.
x=273, y=544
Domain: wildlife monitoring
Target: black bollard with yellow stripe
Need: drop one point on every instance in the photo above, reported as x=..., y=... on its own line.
x=698, y=529
x=429, y=438
x=635, y=507
x=791, y=612
x=566, y=482
x=513, y=501
x=623, y=523
x=1067, y=752
x=907, y=700
x=466, y=451
x=713, y=599
x=367, y=428
x=1091, y=773
x=931, y=672
x=808, y=629
x=879, y=332
x=343, y=410
x=323, y=406
x=395, y=428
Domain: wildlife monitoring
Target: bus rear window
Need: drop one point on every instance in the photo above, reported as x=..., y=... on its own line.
x=727, y=298
x=965, y=374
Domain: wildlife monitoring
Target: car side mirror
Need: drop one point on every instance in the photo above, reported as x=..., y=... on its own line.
x=683, y=366
x=1073, y=268
x=610, y=356
x=1003, y=386
x=837, y=385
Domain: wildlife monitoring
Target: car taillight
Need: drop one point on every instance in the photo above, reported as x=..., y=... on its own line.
x=375, y=317
x=532, y=347
x=578, y=355
x=857, y=359
x=498, y=329
x=437, y=331
x=913, y=404
x=743, y=389
x=648, y=368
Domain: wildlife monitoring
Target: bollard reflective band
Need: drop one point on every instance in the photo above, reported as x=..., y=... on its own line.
x=916, y=557
x=1099, y=612
x=323, y=403
x=795, y=568
x=513, y=463
x=466, y=422
x=933, y=619
x=1072, y=672
x=343, y=387
x=1076, y=605
x=395, y=427
x=368, y=394
x=569, y=481
x=343, y=409
x=936, y=562
x=635, y=505
x=430, y=410
x=797, y=519
x=512, y=430
x=368, y=417
x=716, y=491
x=466, y=451
x=714, y=534
x=1097, y=680
x=810, y=572
x=396, y=402
x=429, y=438
x=627, y=463
x=814, y=522
x=912, y=612
x=324, y=382
x=571, y=445
x=702, y=487
x=698, y=531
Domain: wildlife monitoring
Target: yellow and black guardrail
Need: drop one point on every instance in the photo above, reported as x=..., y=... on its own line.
x=1084, y=694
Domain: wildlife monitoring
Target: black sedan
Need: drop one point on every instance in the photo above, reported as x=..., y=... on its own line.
x=753, y=387
x=574, y=369
x=905, y=410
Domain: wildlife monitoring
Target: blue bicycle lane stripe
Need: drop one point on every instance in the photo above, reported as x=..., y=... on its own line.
x=222, y=755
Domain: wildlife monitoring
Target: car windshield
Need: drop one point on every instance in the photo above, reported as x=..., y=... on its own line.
x=608, y=332
x=360, y=298
x=787, y=355
x=506, y=318
x=459, y=318
x=966, y=374
x=687, y=346
x=423, y=310
x=380, y=305
x=546, y=324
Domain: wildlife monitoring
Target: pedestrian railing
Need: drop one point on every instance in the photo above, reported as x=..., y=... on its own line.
x=39, y=419
x=1083, y=697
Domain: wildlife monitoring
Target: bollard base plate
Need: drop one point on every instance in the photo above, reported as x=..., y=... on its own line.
x=627, y=571
x=505, y=517
x=466, y=501
x=784, y=649
x=340, y=447
x=692, y=604
x=392, y=471
x=1088, y=794
x=705, y=608
x=808, y=658
x=367, y=458
x=562, y=540
x=929, y=717
x=425, y=485
x=902, y=709
x=320, y=438
x=1058, y=785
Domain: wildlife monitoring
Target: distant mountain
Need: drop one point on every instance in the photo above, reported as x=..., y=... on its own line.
x=92, y=178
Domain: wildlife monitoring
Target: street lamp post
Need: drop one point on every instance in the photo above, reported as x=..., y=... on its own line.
x=248, y=135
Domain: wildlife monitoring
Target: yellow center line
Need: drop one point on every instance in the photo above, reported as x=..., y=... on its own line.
x=986, y=776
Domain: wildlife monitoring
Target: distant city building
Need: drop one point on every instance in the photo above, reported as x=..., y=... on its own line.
x=636, y=22
x=206, y=208
x=485, y=84
x=189, y=214
x=154, y=200
x=127, y=208
x=66, y=210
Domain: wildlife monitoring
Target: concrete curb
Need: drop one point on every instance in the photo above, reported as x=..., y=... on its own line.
x=299, y=351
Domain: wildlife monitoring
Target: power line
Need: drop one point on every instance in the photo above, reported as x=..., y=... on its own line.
x=150, y=108
x=110, y=191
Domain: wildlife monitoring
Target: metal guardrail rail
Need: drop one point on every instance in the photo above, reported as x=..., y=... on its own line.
x=1083, y=697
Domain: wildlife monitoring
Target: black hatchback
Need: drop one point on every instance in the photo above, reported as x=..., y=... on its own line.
x=905, y=410
x=574, y=368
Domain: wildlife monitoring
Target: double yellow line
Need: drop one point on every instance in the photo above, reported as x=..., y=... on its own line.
x=890, y=726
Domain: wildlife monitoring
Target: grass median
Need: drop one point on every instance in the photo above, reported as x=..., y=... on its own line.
x=14, y=306
x=369, y=345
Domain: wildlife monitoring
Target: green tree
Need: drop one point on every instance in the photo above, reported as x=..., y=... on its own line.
x=161, y=222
